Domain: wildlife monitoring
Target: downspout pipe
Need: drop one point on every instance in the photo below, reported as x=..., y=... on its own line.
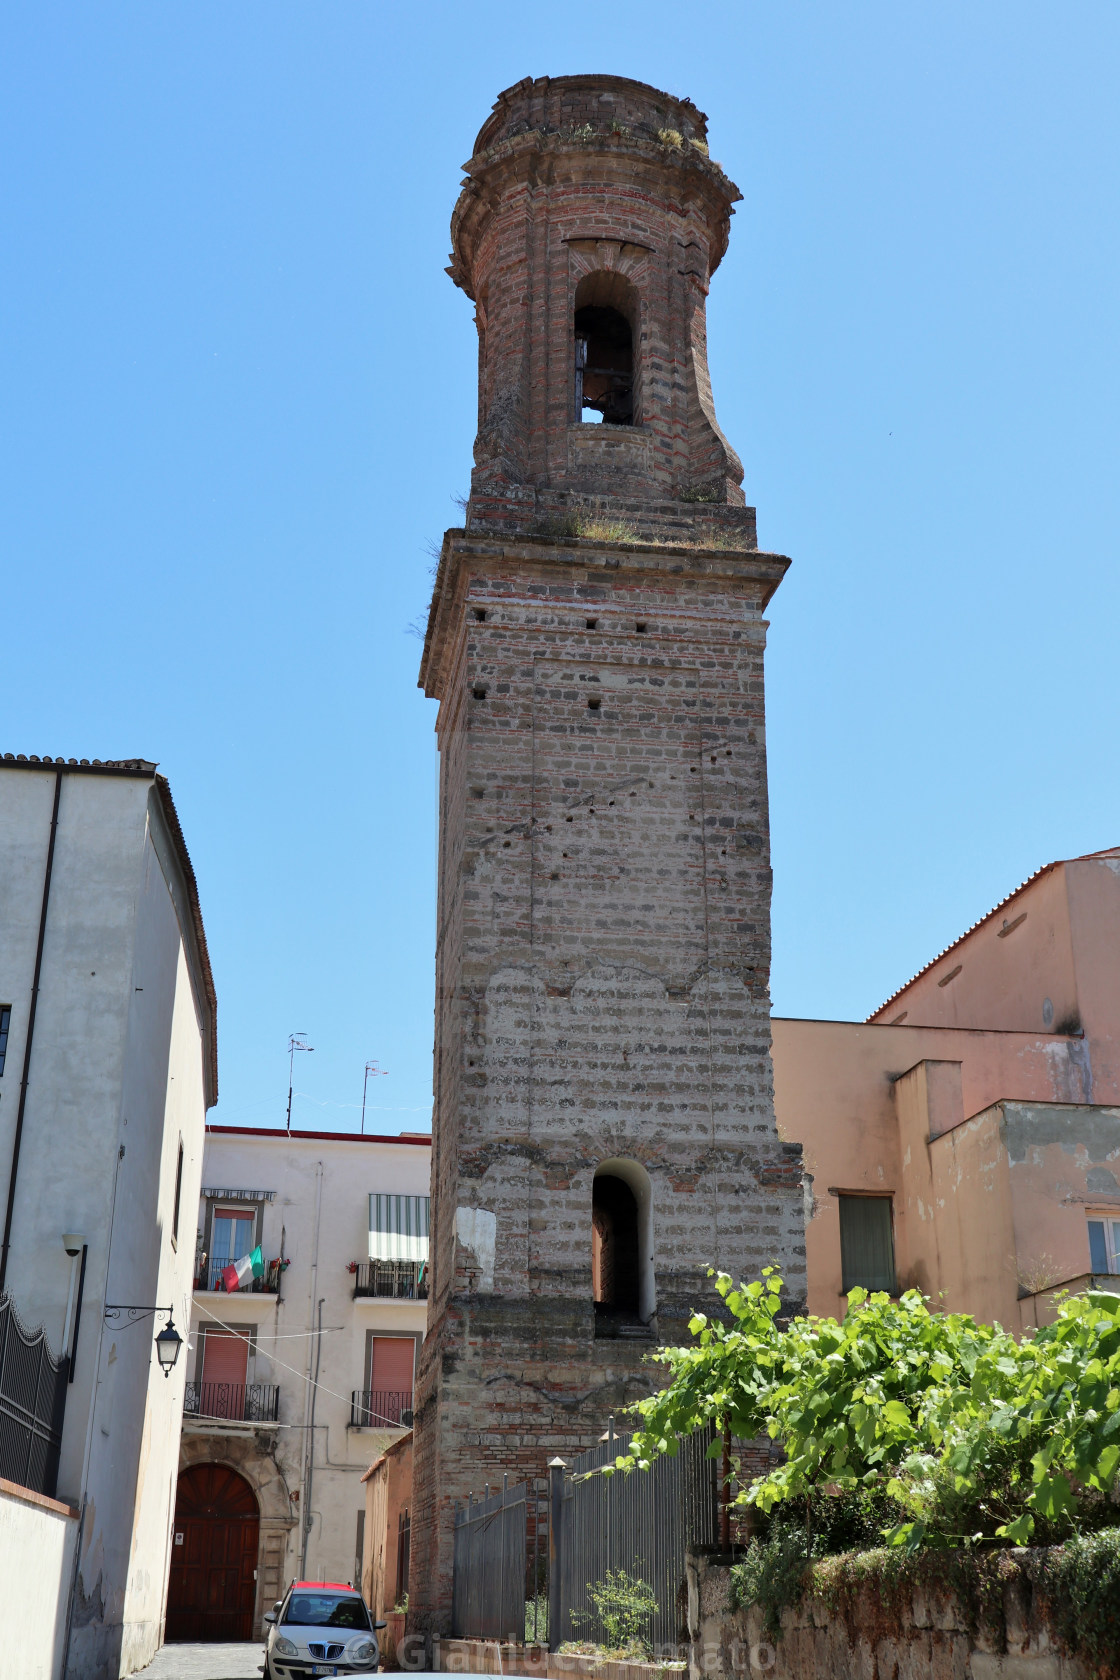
x=14, y=1174
x=307, y=1515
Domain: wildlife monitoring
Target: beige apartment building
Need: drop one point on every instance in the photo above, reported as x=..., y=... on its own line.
x=965, y=1139
x=300, y=1366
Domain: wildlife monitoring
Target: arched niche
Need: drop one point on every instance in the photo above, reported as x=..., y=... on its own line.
x=623, y=1281
x=605, y=324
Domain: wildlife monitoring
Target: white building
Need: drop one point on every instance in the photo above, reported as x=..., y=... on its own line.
x=300, y=1379
x=108, y=1066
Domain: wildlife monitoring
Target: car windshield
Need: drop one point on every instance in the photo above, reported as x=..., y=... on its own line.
x=327, y=1609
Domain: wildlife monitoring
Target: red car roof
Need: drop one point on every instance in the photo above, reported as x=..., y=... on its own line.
x=335, y=1586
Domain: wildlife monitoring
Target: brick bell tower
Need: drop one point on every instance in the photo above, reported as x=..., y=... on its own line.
x=603, y=1127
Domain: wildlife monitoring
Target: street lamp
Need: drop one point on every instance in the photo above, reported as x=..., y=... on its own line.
x=168, y=1342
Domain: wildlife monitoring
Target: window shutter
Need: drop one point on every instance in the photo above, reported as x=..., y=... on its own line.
x=866, y=1243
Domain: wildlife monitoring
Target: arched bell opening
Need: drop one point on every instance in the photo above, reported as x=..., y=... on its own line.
x=605, y=331
x=622, y=1275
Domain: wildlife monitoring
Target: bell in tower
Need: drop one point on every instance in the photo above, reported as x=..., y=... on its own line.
x=603, y=1122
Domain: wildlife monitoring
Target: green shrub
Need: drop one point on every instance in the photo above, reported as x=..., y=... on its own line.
x=625, y=1605
x=963, y=1434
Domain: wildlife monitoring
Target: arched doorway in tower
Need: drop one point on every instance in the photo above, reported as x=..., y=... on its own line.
x=213, y=1587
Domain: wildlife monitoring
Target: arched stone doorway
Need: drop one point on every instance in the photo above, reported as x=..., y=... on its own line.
x=212, y=1591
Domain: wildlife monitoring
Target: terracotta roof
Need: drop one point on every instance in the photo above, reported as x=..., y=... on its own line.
x=144, y=768
x=1085, y=857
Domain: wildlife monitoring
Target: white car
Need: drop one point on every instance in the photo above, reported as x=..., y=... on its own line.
x=320, y=1627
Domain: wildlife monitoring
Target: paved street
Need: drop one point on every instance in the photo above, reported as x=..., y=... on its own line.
x=218, y=1662
x=206, y=1662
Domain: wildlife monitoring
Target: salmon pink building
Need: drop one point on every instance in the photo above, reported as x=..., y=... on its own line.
x=965, y=1139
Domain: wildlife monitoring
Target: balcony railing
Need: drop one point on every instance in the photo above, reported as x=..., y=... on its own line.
x=235, y=1402
x=209, y=1277
x=400, y=1279
x=380, y=1408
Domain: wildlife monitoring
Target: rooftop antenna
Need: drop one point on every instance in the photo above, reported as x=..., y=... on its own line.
x=295, y=1042
x=372, y=1072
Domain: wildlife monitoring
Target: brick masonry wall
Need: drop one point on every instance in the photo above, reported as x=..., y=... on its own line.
x=602, y=981
x=572, y=178
x=603, y=939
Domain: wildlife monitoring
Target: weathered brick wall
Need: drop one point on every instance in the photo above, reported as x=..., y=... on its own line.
x=604, y=905
x=573, y=177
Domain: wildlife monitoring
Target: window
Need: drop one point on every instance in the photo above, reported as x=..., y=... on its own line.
x=1104, y=1244
x=232, y=1238
x=5, y=1022
x=866, y=1243
x=178, y=1195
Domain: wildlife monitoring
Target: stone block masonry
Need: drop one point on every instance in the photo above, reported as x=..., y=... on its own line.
x=596, y=644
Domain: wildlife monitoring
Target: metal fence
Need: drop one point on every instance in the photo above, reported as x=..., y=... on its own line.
x=32, y=1402
x=642, y=1523
x=501, y=1548
x=237, y=1402
x=527, y=1557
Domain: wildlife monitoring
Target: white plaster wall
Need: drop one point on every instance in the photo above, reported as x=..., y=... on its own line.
x=116, y=1078
x=37, y=1546
x=349, y=1168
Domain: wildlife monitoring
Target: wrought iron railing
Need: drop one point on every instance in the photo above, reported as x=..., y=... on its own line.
x=32, y=1402
x=209, y=1277
x=381, y=1408
x=400, y=1279
x=235, y=1402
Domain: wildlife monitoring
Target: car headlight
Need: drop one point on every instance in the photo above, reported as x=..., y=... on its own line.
x=361, y=1651
x=284, y=1648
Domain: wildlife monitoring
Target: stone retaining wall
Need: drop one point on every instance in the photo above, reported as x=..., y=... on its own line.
x=487, y=1656
x=925, y=1636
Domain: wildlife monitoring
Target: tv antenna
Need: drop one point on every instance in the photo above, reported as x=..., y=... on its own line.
x=295, y=1042
x=372, y=1072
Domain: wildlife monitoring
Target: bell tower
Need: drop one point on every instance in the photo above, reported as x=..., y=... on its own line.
x=603, y=1123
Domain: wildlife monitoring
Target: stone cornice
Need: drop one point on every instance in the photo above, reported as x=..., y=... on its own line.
x=644, y=559
x=519, y=159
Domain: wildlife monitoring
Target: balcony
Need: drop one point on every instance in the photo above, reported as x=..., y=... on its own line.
x=209, y=1277
x=380, y=1408
x=397, y=1280
x=233, y=1402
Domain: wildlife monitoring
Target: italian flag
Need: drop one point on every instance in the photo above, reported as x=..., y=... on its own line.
x=242, y=1271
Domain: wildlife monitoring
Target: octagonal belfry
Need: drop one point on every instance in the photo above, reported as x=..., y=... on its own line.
x=603, y=1123
x=588, y=228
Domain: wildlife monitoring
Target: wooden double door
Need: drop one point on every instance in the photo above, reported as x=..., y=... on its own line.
x=212, y=1592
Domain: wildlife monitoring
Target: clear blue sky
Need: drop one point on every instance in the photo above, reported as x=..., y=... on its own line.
x=238, y=395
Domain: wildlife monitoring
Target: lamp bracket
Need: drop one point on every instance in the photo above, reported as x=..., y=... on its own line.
x=133, y=1315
